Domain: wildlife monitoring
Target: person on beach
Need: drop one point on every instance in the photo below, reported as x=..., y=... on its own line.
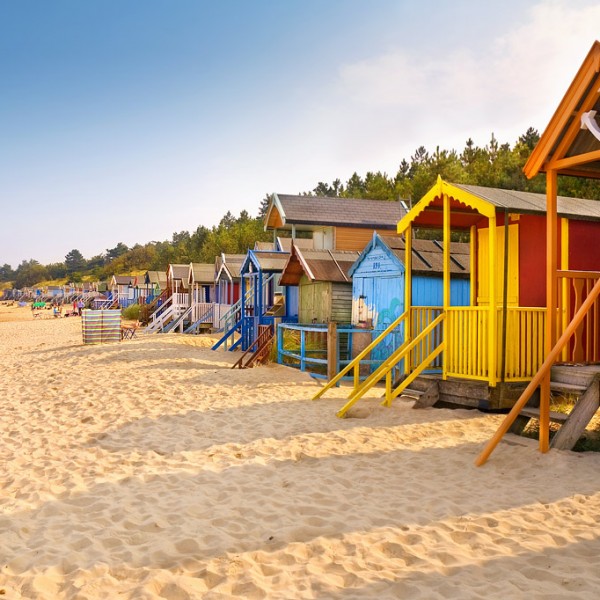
x=80, y=306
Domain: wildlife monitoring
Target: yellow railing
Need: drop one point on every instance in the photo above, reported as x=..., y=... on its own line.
x=573, y=289
x=524, y=343
x=467, y=343
x=354, y=365
x=421, y=318
x=464, y=334
x=385, y=370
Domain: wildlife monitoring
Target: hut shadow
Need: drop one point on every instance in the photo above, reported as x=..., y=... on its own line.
x=549, y=573
x=167, y=519
x=199, y=430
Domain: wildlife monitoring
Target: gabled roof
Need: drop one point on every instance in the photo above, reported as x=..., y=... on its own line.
x=265, y=246
x=313, y=212
x=568, y=145
x=285, y=243
x=268, y=262
x=532, y=203
x=471, y=202
x=203, y=273
x=230, y=266
x=158, y=278
x=123, y=280
x=318, y=265
x=427, y=255
x=178, y=271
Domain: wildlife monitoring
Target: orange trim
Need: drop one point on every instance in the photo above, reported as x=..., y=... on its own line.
x=540, y=375
x=564, y=112
x=573, y=161
x=575, y=126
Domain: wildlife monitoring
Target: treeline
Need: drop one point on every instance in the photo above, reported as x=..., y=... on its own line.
x=494, y=165
x=232, y=235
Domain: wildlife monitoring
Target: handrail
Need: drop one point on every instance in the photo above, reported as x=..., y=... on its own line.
x=260, y=342
x=390, y=395
x=228, y=334
x=389, y=364
x=355, y=363
x=157, y=314
x=180, y=319
x=540, y=375
x=202, y=318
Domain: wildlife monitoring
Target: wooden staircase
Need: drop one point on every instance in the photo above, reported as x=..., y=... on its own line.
x=260, y=350
x=581, y=383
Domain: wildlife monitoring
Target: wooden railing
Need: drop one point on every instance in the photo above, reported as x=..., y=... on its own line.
x=573, y=289
x=354, y=365
x=467, y=341
x=421, y=318
x=524, y=343
x=588, y=305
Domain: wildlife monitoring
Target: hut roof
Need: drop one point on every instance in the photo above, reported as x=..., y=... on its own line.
x=427, y=255
x=568, y=134
x=123, y=280
x=318, y=265
x=285, y=243
x=179, y=271
x=313, y=212
x=530, y=202
x=156, y=278
x=272, y=262
x=265, y=246
x=231, y=264
x=473, y=202
x=201, y=273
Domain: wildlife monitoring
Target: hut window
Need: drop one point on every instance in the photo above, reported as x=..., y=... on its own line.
x=362, y=309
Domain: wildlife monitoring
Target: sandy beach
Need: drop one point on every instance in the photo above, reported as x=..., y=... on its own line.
x=149, y=469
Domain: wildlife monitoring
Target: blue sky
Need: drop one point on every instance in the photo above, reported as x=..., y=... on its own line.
x=126, y=121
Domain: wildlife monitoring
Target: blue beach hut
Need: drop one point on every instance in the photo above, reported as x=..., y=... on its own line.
x=379, y=283
x=263, y=300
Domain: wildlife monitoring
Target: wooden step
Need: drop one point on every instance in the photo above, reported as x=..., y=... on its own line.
x=534, y=413
x=574, y=374
x=568, y=388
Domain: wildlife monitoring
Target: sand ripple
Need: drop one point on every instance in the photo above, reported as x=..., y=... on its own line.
x=150, y=469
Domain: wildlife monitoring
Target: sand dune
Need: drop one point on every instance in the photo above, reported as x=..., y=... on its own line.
x=150, y=469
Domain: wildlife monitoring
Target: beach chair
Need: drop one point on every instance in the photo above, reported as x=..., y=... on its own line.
x=128, y=331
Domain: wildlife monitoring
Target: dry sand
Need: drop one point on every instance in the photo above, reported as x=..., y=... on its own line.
x=150, y=469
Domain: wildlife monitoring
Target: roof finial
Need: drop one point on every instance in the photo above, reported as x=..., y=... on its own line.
x=589, y=122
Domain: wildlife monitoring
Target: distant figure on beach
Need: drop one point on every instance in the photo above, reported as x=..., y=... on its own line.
x=75, y=307
x=80, y=306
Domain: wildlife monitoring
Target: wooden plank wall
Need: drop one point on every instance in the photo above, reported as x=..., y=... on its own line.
x=352, y=238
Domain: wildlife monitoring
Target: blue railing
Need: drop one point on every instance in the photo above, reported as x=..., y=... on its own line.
x=304, y=346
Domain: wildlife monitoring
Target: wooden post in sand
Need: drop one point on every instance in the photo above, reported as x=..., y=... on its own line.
x=332, y=350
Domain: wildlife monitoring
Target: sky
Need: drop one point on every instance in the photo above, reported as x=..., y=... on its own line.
x=130, y=120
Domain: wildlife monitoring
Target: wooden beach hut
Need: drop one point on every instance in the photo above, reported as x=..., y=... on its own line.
x=378, y=277
x=173, y=302
x=570, y=268
x=378, y=284
x=335, y=223
x=324, y=286
x=227, y=280
x=123, y=289
x=263, y=300
x=201, y=282
x=490, y=349
x=155, y=282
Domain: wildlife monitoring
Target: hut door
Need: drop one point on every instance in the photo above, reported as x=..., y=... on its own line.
x=513, y=265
